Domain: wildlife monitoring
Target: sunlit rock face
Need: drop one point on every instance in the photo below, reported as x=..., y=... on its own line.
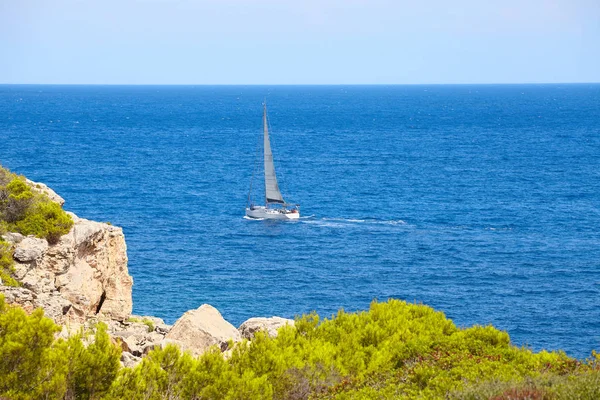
x=198, y=330
x=83, y=275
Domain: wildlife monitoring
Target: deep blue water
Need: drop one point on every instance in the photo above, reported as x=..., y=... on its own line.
x=481, y=201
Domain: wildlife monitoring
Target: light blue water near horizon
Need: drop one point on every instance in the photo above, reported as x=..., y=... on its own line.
x=481, y=201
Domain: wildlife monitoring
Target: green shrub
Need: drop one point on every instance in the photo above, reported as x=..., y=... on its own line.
x=35, y=366
x=582, y=384
x=394, y=350
x=45, y=219
x=149, y=324
x=6, y=264
x=146, y=321
x=28, y=212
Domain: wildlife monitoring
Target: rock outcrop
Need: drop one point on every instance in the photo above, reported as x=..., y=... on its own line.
x=30, y=248
x=44, y=189
x=199, y=329
x=83, y=279
x=269, y=325
x=87, y=268
x=138, y=335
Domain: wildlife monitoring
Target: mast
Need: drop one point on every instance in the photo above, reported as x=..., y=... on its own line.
x=272, y=192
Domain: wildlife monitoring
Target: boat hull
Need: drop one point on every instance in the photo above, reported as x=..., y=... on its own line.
x=271, y=213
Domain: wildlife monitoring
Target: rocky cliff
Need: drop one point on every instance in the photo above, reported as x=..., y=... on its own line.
x=83, y=278
x=83, y=275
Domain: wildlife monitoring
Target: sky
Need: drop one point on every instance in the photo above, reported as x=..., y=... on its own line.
x=299, y=42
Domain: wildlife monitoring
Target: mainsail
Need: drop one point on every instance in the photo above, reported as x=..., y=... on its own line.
x=271, y=187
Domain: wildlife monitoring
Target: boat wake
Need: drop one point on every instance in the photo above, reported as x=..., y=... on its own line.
x=253, y=219
x=349, y=222
x=373, y=221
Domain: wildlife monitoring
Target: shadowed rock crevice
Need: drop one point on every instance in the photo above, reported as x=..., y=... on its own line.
x=102, y=298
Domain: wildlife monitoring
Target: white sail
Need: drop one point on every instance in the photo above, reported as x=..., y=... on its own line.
x=271, y=187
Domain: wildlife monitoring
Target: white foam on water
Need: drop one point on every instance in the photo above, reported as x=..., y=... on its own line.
x=349, y=222
x=252, y=219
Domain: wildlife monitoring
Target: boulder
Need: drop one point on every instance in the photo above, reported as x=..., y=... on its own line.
x=132, y=344
x=269, y=325
x=199, y=329
x=128, y=360
x=163, y=329
x=13, y=237
x=30, y=248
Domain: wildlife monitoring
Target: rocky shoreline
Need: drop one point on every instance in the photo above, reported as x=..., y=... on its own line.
x=83, y=279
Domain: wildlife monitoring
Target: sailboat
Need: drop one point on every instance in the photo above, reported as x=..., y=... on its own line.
x=275, y=206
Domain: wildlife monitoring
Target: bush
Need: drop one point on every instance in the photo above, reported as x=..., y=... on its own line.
x=394, y=350
x=45, y=219
x=6, y=264
x=28, y=212
x=149, y=324
x=35, y=366
x=582, y=384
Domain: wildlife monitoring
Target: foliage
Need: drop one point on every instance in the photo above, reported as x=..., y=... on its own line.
x=584, y=383
x=35, y=366
x=149, y=324
x=146, y=321
x=45, y=219
x=394, y=350
x=28, y=212
x=6, y=264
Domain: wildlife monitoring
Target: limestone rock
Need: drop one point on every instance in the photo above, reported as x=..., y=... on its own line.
x=13, y=237
x=90, y=264
x=42, y=188
x=270, y=325
x=30, y=248
x=128, y=360
x=163, y=329
x=155, y=320
x=18, y=295
x=132, y=344
x=199, y=329
x=54, y=305
x=87, y=268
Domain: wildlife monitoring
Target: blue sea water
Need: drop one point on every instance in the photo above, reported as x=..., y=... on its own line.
x=481, y=201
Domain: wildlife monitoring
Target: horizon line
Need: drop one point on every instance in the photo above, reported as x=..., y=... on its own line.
x=300, y=84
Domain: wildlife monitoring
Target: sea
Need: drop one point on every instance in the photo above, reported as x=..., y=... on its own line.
x=481, y=201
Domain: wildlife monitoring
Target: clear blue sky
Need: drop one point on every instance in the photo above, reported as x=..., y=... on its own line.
x=299, y=42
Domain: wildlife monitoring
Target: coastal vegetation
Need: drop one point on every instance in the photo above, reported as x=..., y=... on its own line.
x=28, y=212
x=6, y=264
x=393, y=350
x=146, y=321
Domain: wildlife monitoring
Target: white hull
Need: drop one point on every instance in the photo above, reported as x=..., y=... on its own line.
x=260, y=212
